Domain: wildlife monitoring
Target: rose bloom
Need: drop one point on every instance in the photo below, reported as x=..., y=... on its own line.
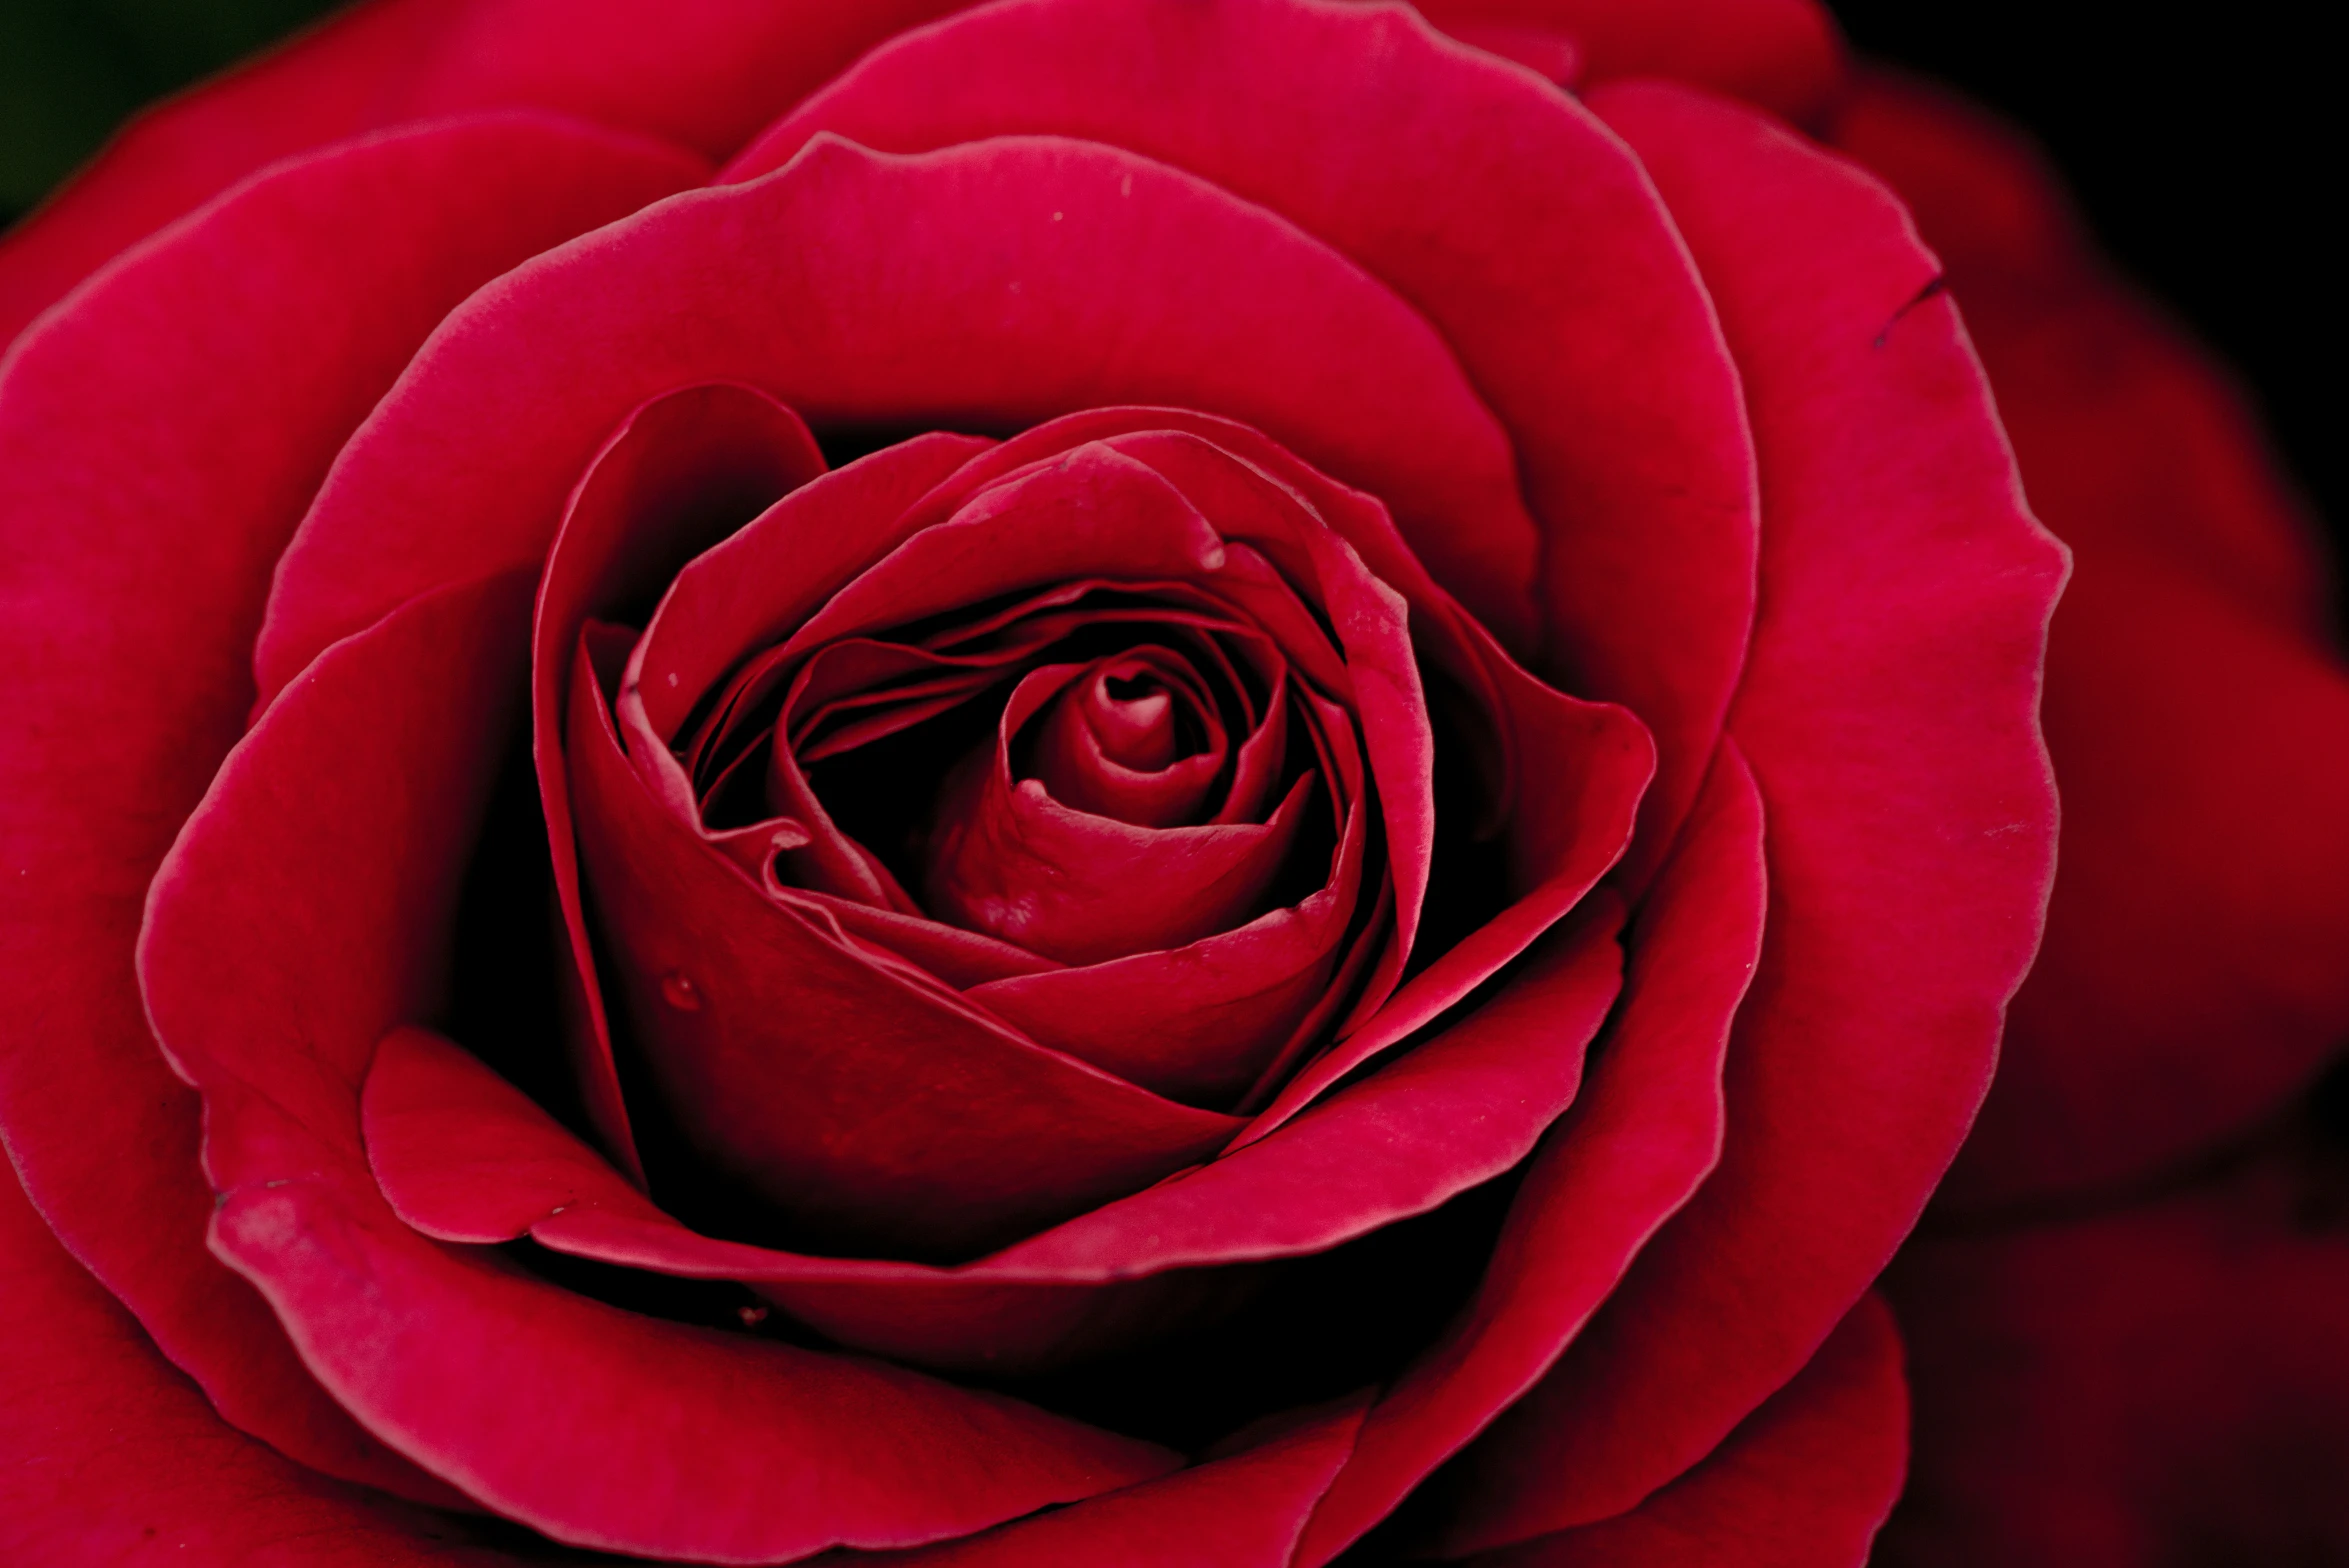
x=1146, y=781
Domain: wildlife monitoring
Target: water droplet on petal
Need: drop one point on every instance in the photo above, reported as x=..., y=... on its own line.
x=679, y=992
x=751, y=1317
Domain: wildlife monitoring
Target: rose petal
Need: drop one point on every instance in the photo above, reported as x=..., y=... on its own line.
x=1240, y=1511
x=462, y=1155
x=963, y=959
x=679, y=472
x=596, y=1426
x=1202, y=1022
x=1541, y=49
x=1578, y=315
x=1008, y=858
x=465, y=1157
x=691, y=1443
x=1530, y=1034
x=1647, y=1130
x=1581, y=769
x=861, y=289
x=942, y=1128
x=1804, y=1482
x=704, y=72
x=1889, y=714
x=118, y=1458
x=759, y=585
x=2197, y=709
x=161, y=434
x=1780, y=55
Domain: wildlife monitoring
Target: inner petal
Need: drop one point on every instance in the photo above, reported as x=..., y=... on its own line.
x=1135, y=737
x=1005, y=856
x=1132, y=715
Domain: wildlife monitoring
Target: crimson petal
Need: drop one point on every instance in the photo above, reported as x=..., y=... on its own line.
x=1646, y=1131
x=862, y=289
x=680, y=471
x=596, y=1426
x=944, y=1129
x=465, y=1157
x=119, y=1459
x=1780, y=55
x=1890, y=717
x=2197, y=705
x=705, y=73
x=1011, y=860
x=1578, y=316
x=160, y=434
x=1241, y=1510
x=1804, y=1482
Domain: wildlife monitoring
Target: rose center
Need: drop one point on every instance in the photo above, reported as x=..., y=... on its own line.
x=1135, y=737
x=1134, y=719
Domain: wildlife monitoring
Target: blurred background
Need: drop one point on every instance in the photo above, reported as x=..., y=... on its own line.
x=2207, y=156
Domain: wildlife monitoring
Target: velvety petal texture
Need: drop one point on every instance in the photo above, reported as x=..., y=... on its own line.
x=1066, y=781
x=2116, y=1344
x=1805, y=1480
x=506, y=1384
x=1585, y=329
x=1869, y=1039
x=864, y=289
x=1647, y=1131
x=680, y=473
x=708, y=74
x=704, y=75
x=115, y=1457
x=2198, y=704
x=164, y=430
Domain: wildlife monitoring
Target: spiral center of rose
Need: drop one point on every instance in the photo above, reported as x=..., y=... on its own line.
x=1083, y=780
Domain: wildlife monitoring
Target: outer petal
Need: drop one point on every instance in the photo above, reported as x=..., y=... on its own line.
x=2127, y=434
x=680, y=472
x=464, y=1157
x=1780, y=55
x=706, y=72
x=2197, y=707
x=2194, y=977
x=1803, y=1482
x=703, y=72
x=2156, y=1385
x=597, y=1426
x=1890, y=715
x=159, y=437
x=990, y=285
x=1577, y=315
x=1243, y=1511
x=112, y=1456
x=1647, y=1130
x=761, y=584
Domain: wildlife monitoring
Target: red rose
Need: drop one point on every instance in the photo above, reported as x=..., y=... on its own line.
x=1076, y=793
x=2124, y=1321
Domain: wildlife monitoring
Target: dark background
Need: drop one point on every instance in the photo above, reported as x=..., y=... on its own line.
x=2208, y=156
